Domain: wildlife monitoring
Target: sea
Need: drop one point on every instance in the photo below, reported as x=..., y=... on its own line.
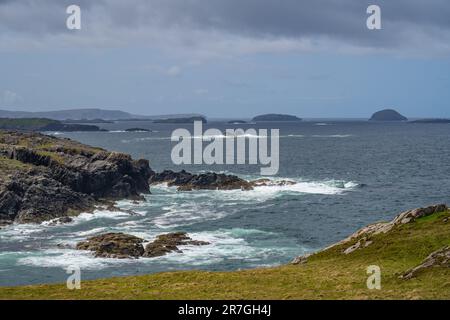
x=348, y=174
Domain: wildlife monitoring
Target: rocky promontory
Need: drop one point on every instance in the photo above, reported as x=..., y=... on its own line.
x=44, y=177
x=185, y=181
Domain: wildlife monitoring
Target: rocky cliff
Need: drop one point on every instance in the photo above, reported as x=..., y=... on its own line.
x=44, y=177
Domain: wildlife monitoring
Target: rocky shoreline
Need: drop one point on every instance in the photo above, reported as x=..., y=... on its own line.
x=46, y=178
x=43, y=177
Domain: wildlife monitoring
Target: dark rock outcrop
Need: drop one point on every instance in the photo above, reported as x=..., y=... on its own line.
x=123, y=246
x=388, y=115
x=186, y=181
x=114, y=245
x=170, y=242
x=44, y=177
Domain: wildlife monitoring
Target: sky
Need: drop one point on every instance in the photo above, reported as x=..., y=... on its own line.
x=227, y=58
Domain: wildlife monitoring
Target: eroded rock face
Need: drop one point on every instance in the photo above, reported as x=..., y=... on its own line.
x=44, y=177
x=186, y=181
x=440, y=258
x=123, y=246
x=114, y=245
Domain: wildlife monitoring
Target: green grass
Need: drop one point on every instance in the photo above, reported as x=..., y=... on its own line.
x=9, y=165
x=327, y=275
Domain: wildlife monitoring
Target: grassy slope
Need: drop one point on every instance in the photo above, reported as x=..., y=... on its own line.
x=327, y=275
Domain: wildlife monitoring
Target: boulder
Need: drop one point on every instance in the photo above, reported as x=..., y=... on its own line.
x=114, y=245
x=167, y=243
x=45, y=177
x=124, y=246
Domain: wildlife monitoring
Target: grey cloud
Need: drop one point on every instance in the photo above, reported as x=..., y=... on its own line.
x=252, y=24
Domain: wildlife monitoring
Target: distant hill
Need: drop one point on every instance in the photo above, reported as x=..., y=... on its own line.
x=388, y=115
x=42, y=124
x=86, y=115
x=276, y=117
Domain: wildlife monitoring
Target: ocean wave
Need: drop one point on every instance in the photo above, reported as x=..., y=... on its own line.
x=63, y=258
x=332, y=136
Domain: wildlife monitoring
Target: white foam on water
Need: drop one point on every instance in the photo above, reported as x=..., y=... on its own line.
x=101, y=214
x=63, y=258
x=186, y=214
x=224, y=245
x=332, y=136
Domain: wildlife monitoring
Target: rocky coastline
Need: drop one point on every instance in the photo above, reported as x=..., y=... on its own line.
x=46, y=178
x=43, y=177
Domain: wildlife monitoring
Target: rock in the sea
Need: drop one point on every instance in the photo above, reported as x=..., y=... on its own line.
x=388, y=115
x=186, y=181
x=114, y=245
x=440, y=258
x=170, y=242
x=124, y=246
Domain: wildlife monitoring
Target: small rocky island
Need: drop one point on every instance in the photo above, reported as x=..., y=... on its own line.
x=181, y=120
x=275, y=118
x=388, y=115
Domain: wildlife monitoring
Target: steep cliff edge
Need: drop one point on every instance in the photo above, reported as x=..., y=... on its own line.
x=44, y=177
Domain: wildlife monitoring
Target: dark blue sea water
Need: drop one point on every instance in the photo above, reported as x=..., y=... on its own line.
x=348, y=174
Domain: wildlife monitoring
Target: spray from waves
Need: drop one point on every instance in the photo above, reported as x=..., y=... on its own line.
x=230, y=244
x=225, y=245
x=187, y=208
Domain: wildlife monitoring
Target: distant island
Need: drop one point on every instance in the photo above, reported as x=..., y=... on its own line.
x=388, y=115
x=89, y=115
x=181, y=120
x=137, y=130
x=431, y=121
x=42, y=124
x=276, y=118
x=84, y=121
x=236, y=122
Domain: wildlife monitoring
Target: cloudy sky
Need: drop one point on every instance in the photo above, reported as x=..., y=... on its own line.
x=227, y=58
